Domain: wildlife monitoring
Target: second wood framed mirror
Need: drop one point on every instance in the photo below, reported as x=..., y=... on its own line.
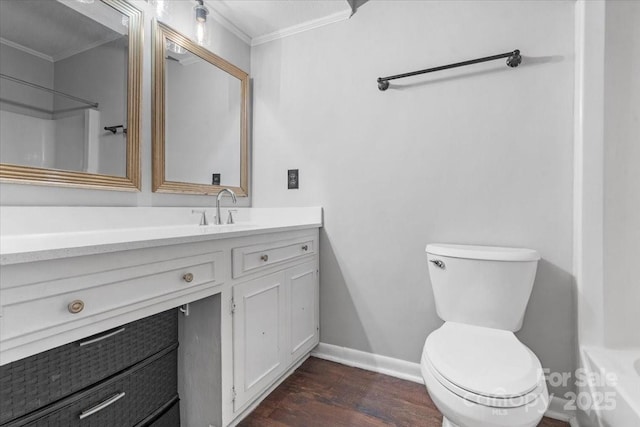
x=200, y=101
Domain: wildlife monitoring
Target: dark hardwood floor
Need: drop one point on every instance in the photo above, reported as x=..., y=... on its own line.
x=326, y=394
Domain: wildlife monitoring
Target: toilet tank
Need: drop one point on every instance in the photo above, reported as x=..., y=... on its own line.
x=482, y=285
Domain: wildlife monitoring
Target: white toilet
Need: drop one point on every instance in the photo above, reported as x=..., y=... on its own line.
x=476, y=371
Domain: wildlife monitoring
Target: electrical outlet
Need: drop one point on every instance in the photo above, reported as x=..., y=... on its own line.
x=215, y=178
x=293, y=182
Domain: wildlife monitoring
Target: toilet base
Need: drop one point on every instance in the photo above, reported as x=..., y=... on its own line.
x=447, y=423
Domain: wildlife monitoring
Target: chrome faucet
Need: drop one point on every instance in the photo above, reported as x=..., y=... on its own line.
x=218, y=218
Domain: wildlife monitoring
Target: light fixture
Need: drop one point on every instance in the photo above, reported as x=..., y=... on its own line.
x=175, y=47
x=85, y=1
x=202, y=35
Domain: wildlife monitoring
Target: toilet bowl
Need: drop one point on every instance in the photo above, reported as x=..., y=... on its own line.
x=480, y=376
x=476, y=371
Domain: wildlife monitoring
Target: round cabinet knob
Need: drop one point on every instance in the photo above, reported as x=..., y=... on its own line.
x=75, y=306
x=188, y=277
x=265, y=257
x=305, y=248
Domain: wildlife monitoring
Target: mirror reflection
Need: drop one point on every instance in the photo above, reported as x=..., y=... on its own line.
x=202, y=134
x=200, y=118
x=64, y=69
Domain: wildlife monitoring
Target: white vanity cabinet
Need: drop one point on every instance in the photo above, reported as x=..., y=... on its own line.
x=253, y=296
x=259, y=336
x=275, y=316
x=302, y=309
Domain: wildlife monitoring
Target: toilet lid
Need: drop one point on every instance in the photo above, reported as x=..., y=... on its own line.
x=484, y=361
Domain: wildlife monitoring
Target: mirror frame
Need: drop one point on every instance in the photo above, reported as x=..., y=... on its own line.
x=131, y=182
x=162, y=32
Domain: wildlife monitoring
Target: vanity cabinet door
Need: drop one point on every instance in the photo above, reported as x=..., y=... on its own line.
x=260, y=353
x=302, y=304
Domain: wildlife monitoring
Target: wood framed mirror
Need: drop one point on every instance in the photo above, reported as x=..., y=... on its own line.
x=70, y=93
x=200, y=129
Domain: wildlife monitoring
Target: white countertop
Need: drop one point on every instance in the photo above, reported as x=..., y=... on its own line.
x=30, y=233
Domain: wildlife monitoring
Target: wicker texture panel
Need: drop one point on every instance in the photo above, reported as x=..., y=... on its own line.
x=146, y=386
x=171, y=418
x=36, y=381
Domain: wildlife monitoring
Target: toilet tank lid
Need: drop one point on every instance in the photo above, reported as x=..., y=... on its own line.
x=492, y=253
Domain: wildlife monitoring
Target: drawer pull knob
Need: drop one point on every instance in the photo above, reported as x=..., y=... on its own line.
x=75, y=306
x=101, y=337
x=265, y=257
x=100, y=406
x=305, y=248
x=188, y=277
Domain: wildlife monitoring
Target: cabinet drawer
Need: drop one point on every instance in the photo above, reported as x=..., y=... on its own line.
x=168, y=418
x=123, y=400
x=34, y=382
x=249, y=259
x=31, y=308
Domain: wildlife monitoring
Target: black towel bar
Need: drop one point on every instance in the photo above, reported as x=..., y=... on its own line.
x=513, y=60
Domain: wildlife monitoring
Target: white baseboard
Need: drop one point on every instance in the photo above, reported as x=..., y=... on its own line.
x=371, y=362
x=411, y=372
x=557, y=411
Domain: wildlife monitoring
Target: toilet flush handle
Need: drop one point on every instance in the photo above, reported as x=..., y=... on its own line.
x=438, y=263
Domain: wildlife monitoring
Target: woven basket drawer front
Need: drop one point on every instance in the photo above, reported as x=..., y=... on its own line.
x=143, y=388
x=171, y=418
x=34, y=382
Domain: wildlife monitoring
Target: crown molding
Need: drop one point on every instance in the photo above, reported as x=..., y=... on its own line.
x=26, y=49
x=299, y=28
x=227, y=24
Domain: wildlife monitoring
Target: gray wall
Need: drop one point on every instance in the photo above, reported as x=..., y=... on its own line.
x=100, y=75
x=479, y=155
x=27, y=138
x=24, y=66
x=622, y=174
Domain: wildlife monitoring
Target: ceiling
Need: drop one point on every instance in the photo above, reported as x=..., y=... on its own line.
x=53, y=31
x=63, y=29
x=261, y=21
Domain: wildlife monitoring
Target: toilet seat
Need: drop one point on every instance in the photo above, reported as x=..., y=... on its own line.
x=484, y=365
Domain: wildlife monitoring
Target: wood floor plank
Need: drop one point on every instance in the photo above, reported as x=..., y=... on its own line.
x=327, y=394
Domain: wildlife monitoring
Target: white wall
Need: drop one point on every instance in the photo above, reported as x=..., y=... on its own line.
x=588, y=169
x=607, y=182
x=477, y=155
x=180, y=16
x=622, y=174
